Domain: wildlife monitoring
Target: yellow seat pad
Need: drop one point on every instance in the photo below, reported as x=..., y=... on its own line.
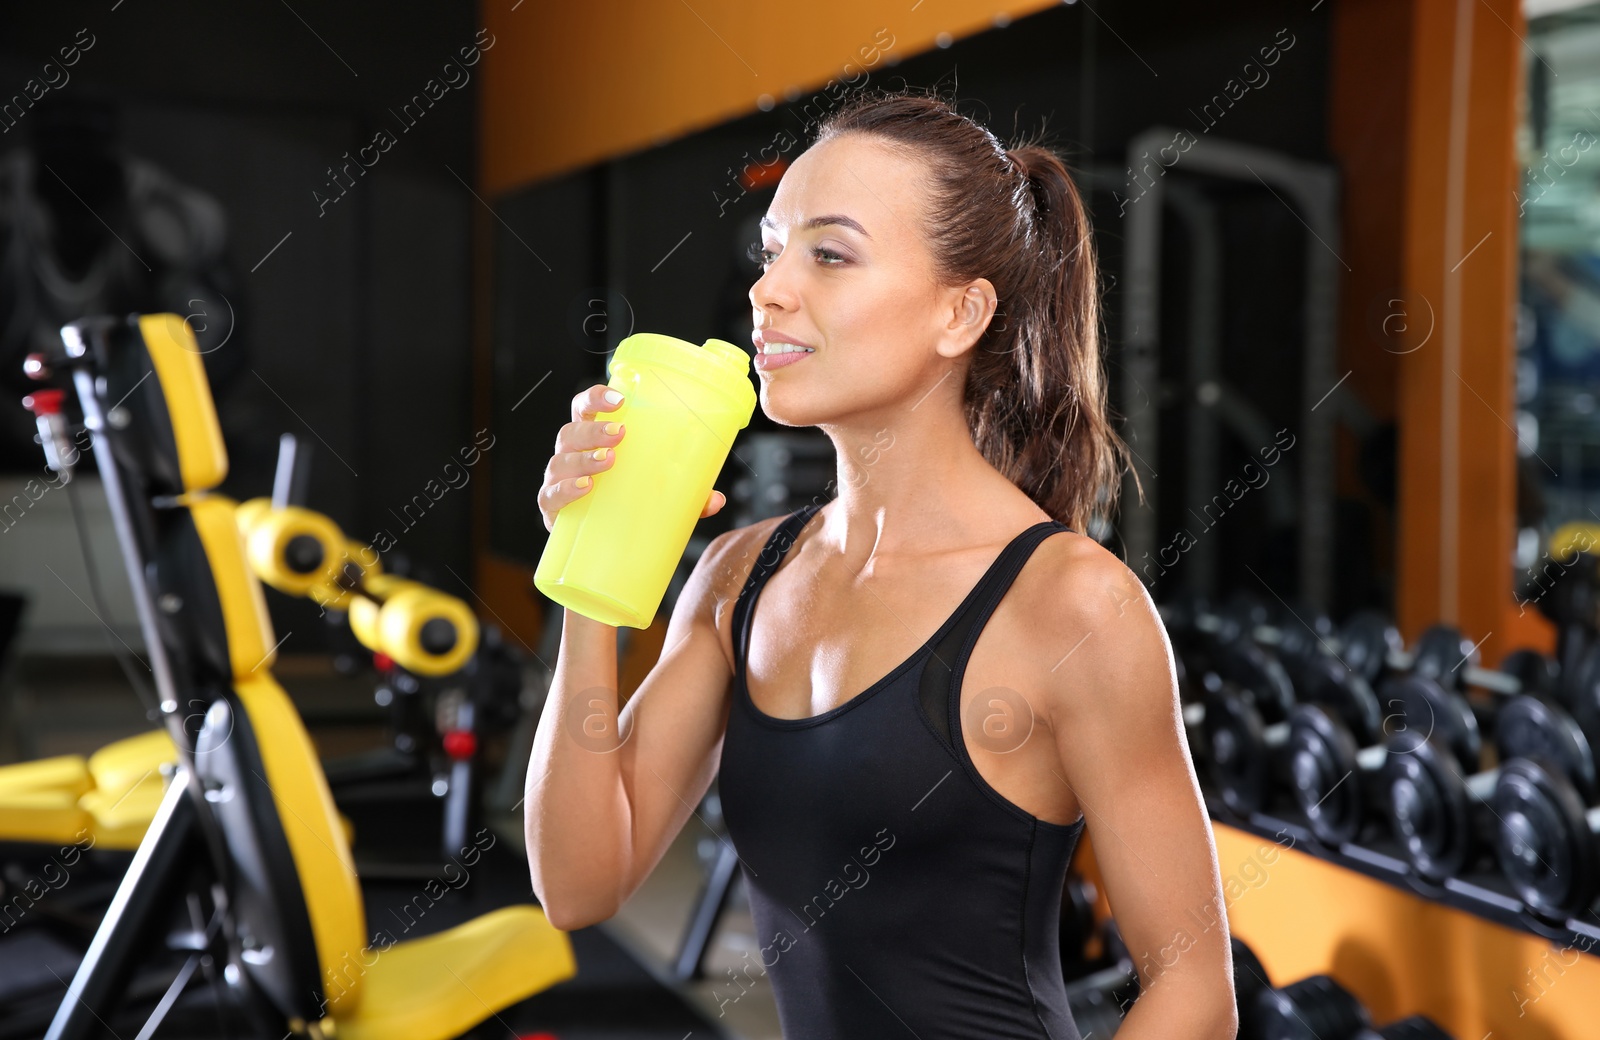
x=68, y=774
x=439, y=986
x=119, y=821
x=44, y=817
x=123, y=763
x=111, y=796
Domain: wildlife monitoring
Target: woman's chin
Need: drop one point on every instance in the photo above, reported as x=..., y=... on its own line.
x=783, y=409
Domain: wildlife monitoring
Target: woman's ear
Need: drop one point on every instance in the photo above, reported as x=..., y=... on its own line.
x=973, y=310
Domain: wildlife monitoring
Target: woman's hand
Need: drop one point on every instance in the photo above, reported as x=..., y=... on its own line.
x=585, y=447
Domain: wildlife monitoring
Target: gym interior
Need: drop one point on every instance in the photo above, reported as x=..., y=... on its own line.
x=295, y=298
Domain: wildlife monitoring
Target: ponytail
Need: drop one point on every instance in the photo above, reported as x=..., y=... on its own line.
x=1035, y=395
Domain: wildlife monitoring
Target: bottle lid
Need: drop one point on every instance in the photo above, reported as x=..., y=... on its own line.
x=718, y=363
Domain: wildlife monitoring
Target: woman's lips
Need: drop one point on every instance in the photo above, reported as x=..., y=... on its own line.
x=768, y=362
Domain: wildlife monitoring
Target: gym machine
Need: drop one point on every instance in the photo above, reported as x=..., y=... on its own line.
x=447, y=682
x=244, y=876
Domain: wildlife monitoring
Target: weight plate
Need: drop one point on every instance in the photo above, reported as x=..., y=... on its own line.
x=1573, y=598
x=1536, y=672
x=1366, y=640
x=1529, y=727
x=1255, y=669
x=1077, y=921
x=1545, y=846
x=1313, y=1008
x=1322, y=761
x=1304, y=634
x=1235, y=736
x=1422, y=708
x=1443, y=654
x=1250, y=980
x=1429, y=807
x=1582, y=694
x=1329, y=682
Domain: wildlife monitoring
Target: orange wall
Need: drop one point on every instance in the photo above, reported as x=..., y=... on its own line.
x=566, y=85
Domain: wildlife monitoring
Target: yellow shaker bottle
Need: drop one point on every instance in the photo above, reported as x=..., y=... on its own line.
x=612, y=552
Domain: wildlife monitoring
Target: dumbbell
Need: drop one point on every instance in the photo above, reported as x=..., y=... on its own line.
x=1537, y=673
x=1100, y=1000
x=1548, y=839
x=1295, y=634
x=1312, y=1008
x=1319, y=1008
x=1250, y=980
x=1371, y=646
x=1571, y=599
x=1079, y=929
x=1246, y=738
x=1446, y=708
x=1252, y=746
x=1443, y=818
x=1336, y=755
x=1097, y=1000
x=1244, y=642
x=1336, y=744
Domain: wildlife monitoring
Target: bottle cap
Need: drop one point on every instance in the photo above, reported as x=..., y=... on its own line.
x=718, y=363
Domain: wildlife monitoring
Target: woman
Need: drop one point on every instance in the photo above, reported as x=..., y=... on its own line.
x=904, y=805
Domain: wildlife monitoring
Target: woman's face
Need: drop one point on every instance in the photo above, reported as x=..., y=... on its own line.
x=850, y=274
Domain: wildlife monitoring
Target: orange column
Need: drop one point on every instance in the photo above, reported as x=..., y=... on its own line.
x=1445, y=337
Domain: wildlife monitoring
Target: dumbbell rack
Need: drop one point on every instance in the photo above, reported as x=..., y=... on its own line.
x=1464, y=954
x=1399, y=951
x=1484, y=896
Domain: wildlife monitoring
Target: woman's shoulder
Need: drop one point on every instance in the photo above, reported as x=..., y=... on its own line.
x=732, y=555
x=1079, y=588
x=1103, y=657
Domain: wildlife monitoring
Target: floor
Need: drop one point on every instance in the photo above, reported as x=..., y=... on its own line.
x=51, y=706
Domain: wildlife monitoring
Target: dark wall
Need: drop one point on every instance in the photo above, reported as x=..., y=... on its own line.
x=355, y=329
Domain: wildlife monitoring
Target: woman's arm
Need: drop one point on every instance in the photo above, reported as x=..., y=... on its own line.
x=607, y=792
x=1119, y=731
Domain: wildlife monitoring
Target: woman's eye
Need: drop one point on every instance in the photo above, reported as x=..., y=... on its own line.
x=761, y=257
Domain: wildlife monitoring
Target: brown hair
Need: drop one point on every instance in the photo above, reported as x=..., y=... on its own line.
x=1035, y=397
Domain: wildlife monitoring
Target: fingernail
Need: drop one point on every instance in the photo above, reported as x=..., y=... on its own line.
x=612, y=428
x=612, y=397
x=582, y=482
x=599, y=454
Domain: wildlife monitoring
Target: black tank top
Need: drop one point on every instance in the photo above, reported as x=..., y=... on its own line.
x=895, y=893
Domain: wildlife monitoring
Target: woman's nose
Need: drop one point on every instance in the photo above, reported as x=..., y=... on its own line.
x=772, y=291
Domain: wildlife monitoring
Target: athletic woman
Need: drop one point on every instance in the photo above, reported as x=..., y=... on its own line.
x=947, y=680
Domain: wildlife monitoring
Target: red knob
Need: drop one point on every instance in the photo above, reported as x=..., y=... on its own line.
x=381, y=661
x=44, y=402
x=460, y=744
x=35, y=366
